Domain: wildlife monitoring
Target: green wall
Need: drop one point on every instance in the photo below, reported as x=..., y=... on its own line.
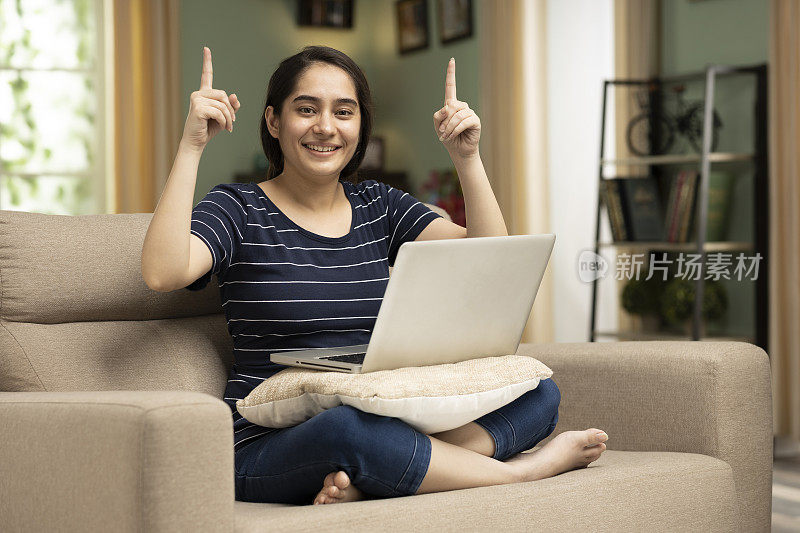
x=249, y=38
x=695, y=33
x=410, y=88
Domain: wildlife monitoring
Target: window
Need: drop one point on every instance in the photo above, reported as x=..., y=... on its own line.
x=52, y=148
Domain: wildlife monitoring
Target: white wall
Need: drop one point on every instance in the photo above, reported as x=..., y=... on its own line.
x=580, y=55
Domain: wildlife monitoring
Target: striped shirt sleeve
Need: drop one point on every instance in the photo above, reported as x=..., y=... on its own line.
x=219, y=221
x=407, y=218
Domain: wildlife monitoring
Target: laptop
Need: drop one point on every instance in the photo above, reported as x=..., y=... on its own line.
x=447, y=301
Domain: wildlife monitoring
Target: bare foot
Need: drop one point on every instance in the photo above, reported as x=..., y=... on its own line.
x=337, y=489
x=566, y=451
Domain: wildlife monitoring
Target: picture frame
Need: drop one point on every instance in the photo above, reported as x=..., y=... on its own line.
x=455, y=20
x=325, y=13
x=412, y=25
x=374, y=157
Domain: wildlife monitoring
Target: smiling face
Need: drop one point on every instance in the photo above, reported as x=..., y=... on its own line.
x=319, y=126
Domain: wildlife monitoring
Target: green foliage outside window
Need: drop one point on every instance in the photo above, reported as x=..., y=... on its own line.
x=48, y=105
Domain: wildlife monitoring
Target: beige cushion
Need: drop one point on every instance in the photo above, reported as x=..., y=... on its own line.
x=429, y=398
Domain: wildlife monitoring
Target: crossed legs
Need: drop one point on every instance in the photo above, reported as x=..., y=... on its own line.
x=471, y=437
x=468, y=456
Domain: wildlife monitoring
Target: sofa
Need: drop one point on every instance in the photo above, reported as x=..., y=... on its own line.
x=112, y=420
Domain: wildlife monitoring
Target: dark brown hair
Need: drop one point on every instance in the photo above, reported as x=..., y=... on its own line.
x=284, y=81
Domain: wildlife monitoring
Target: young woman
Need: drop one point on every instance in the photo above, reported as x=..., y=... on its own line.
x=302, y=261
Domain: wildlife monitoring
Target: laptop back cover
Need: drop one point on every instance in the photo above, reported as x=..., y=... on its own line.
x=456, y=299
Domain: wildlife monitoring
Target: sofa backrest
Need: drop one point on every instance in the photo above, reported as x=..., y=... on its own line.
x=75, y=313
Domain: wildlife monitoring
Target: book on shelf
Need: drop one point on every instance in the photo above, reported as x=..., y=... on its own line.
x=689, y=207
x=641, y=208
x=610, y=196
x=634, y=208
x=681, y=212
x=720, y=189
x=672, y=209
x=679, y=208
x=669, y=214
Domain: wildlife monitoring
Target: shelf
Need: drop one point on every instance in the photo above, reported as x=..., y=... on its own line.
x=716, y=246
x=749, y=196
x=680, y=159
x=656, y=336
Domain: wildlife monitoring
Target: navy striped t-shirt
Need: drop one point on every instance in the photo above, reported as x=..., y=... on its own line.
x=283, y=287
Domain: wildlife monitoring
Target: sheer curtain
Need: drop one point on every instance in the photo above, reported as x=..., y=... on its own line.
x=636, y=57
x=147, y=107
x=513, y=143
x=784, y=222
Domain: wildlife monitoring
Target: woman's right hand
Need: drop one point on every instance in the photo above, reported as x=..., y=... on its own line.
x=210, y=110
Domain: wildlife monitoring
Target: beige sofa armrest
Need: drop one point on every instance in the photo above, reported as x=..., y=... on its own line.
x=711, y=398
x=115, y=460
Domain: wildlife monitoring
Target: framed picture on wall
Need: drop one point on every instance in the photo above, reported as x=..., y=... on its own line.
x=412, y=25
x=455, y=20
x=325, y=13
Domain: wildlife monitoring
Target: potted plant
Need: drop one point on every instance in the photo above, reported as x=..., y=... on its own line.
x=640, y=299
x=677, y=303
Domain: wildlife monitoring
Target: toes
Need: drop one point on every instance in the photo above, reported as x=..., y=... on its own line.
x=595, y=436
x=324, y=498
x=332, y=488
x=341, y=480
x=593, y=453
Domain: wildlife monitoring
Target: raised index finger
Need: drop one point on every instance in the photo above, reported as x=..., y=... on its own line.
x=450, y=82
x=208, y=73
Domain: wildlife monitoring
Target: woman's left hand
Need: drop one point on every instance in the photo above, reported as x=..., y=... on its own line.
x=456, y=125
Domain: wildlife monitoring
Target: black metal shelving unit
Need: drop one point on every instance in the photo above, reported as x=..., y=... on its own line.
x=758, y=158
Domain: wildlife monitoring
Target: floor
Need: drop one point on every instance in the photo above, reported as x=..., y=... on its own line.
x=786, y=495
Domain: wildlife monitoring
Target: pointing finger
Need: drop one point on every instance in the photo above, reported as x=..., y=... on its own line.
x=446, y=113
x=450, y=82
x=208, y=73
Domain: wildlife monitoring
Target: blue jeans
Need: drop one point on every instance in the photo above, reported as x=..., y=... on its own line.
x=383, y=456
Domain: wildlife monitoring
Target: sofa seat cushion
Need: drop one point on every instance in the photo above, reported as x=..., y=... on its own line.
x=621, y=491
x=429, y=398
